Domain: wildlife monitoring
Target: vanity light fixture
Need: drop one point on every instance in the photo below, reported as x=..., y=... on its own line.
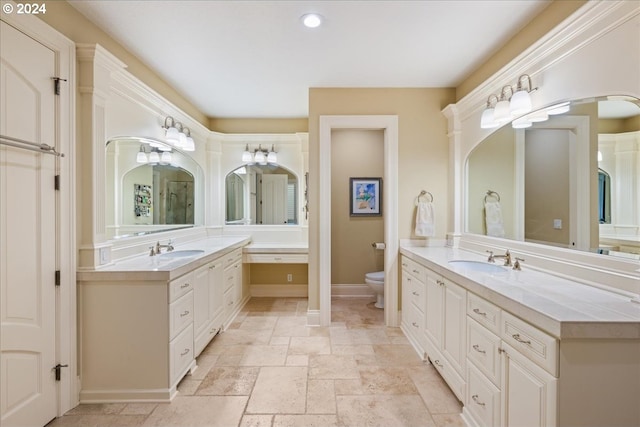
x=521, y=123
x=142, y=155
x=154, y=157
x=260, y=155
x=509, y=105
x=560, y=108
x=178, y=135
x=166, y=157
x=311, y=20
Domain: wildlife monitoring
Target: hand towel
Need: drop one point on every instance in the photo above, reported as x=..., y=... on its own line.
x=493, y=219
x=425, y=219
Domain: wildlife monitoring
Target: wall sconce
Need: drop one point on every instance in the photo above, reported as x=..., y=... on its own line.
x=509, y=105
x=259, y=155
x=177, y=135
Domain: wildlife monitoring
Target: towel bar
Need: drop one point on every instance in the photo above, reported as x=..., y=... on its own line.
x=422, y=194
x=491, y=193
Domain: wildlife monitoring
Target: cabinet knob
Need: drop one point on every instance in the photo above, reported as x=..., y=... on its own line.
x=477, y=400
x=415, y=325
x=415, y=293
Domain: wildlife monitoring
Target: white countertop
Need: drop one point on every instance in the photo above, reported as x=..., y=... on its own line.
x=277, y=248
x=562, y=307
x=145, y=267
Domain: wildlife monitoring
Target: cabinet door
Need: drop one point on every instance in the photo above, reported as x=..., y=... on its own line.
x=529, y=393
x=200, y=299
x=216, y=290
x=434, y=309
x=455, y=315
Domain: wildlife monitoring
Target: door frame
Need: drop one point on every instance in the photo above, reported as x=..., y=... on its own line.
x=65, y=210
x=389, y=125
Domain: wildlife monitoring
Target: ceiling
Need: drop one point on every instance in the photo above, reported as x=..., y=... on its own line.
x=255, y=59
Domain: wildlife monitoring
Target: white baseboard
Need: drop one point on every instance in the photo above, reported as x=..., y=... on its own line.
x=279, y=291
x=351, y=291
x=313, y=317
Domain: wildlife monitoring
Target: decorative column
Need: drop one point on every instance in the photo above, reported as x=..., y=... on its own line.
x=95, y=68
x=456, y=195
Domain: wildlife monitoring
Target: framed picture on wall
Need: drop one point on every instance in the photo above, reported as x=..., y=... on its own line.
x=365, y=196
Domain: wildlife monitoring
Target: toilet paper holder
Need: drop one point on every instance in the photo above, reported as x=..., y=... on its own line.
x=378, y=245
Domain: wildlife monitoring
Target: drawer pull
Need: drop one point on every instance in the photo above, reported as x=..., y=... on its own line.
x=184, y=313
x=415, y=293
x=480, y=313
x=477, y=348
x=230, y=302
x=185, y=285
x=416, y=271
x=477, y=400
x=520, y=340
x=437, y=363
x=404, y=264
x=501, y=350
x=185, y=352
x=277, y=258
x=414, y=324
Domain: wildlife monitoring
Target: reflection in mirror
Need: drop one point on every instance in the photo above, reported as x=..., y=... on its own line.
x=149, y=192
x=570, y=181
x=261, y=194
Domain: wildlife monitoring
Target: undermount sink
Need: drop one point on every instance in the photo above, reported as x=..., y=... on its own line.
x=182, y=254
x=479, y=266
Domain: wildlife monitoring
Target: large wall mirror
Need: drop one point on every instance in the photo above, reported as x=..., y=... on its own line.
x=261, y=194
x=569, y=181
x=151, y=187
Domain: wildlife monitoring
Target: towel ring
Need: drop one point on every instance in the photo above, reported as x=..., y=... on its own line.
x=423, y=194
x=491, y=193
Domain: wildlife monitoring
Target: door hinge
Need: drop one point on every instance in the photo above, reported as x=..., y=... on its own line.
x=57, y=369
x=57, y=277
x=56, y=84
x=56, y=182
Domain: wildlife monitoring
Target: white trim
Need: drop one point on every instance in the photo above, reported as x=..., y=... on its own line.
x=279, y=291
x=352, y=291
x=313, y=317
x=64, y=50
x=389, y=124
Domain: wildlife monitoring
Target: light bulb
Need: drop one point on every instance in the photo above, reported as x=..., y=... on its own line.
x=246, y=155
x=142, y=156
x=172, y=135
x=259, y=156
x=311, y=20
x=190, y=144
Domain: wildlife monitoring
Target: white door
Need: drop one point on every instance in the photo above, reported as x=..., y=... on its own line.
x=274, y=199
x=28, y=233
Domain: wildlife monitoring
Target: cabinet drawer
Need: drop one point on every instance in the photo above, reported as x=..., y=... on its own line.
x=205, y=337
x=181, y=350
x=229, y=276
x=533, y=343
x=484, y=312
x=180, y=286
x=232, y=257
x=483, y=399
x=415, y=269
x=180, y=314
x=276, y=258
x=416, y=293
x=449, y=374
x=482, y=350
x=229, y=301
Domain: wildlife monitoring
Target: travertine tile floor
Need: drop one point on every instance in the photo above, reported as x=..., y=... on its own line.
x=269, y=369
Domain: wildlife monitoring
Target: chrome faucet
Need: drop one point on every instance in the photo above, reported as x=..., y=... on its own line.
x=506, y=256
x=157, y=249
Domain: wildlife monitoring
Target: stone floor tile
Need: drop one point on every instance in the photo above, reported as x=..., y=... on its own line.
x=321, y=397
x=97, y=409
x=229, y=381
x=386, y=380
x=305, y=421
x=264, y=355
x=210, y=411
x=309, y=345
x=279, y=390
x=448, y=420
x=394, y=355
x=383, y=411
x=188, y=386
x=256, y=421
x=205, y=363
x=353, y=349
x=138, y=408
x=332, y=367
x=297, y=360
x=96, y=420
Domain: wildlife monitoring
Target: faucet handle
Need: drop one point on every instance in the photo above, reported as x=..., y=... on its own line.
x=490, y=259
x=153, y=251
x=516, y=265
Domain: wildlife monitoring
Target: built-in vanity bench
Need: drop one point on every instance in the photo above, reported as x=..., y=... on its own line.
x=281, y=256
x=522, y=347
x=144, y=320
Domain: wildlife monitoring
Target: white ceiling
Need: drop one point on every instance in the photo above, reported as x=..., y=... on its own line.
x=254, y=59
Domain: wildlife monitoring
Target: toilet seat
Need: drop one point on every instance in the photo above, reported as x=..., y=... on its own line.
x=376, y=276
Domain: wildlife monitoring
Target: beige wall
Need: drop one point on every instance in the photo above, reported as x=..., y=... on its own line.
x=67, y=20
x=259, y=125
x=354, y=153
x=546, y=20
x=276, y=274
x=423, y=155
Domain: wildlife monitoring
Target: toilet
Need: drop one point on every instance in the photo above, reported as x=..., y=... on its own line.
x=375, y=281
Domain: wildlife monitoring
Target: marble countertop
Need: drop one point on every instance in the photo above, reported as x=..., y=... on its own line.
x=277, y=248
x=562, y=307
x=159, y=267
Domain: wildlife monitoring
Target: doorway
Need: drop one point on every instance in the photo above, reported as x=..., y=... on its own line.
x=389, y=126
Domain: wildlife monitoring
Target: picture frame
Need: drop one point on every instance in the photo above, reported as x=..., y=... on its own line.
x=365, y=197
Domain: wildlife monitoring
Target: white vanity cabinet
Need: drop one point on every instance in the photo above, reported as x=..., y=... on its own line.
x=413, y=303
x=445, y=329
x=209, y=305
x=232, y=279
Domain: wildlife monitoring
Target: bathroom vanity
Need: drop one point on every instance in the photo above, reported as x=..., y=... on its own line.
x=143, y=320
x=522, y=347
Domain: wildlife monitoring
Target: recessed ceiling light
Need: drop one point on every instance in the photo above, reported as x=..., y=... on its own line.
x=311, y=20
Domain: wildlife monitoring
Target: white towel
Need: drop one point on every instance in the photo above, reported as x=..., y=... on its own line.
x=425, y=219
x=493, y=219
